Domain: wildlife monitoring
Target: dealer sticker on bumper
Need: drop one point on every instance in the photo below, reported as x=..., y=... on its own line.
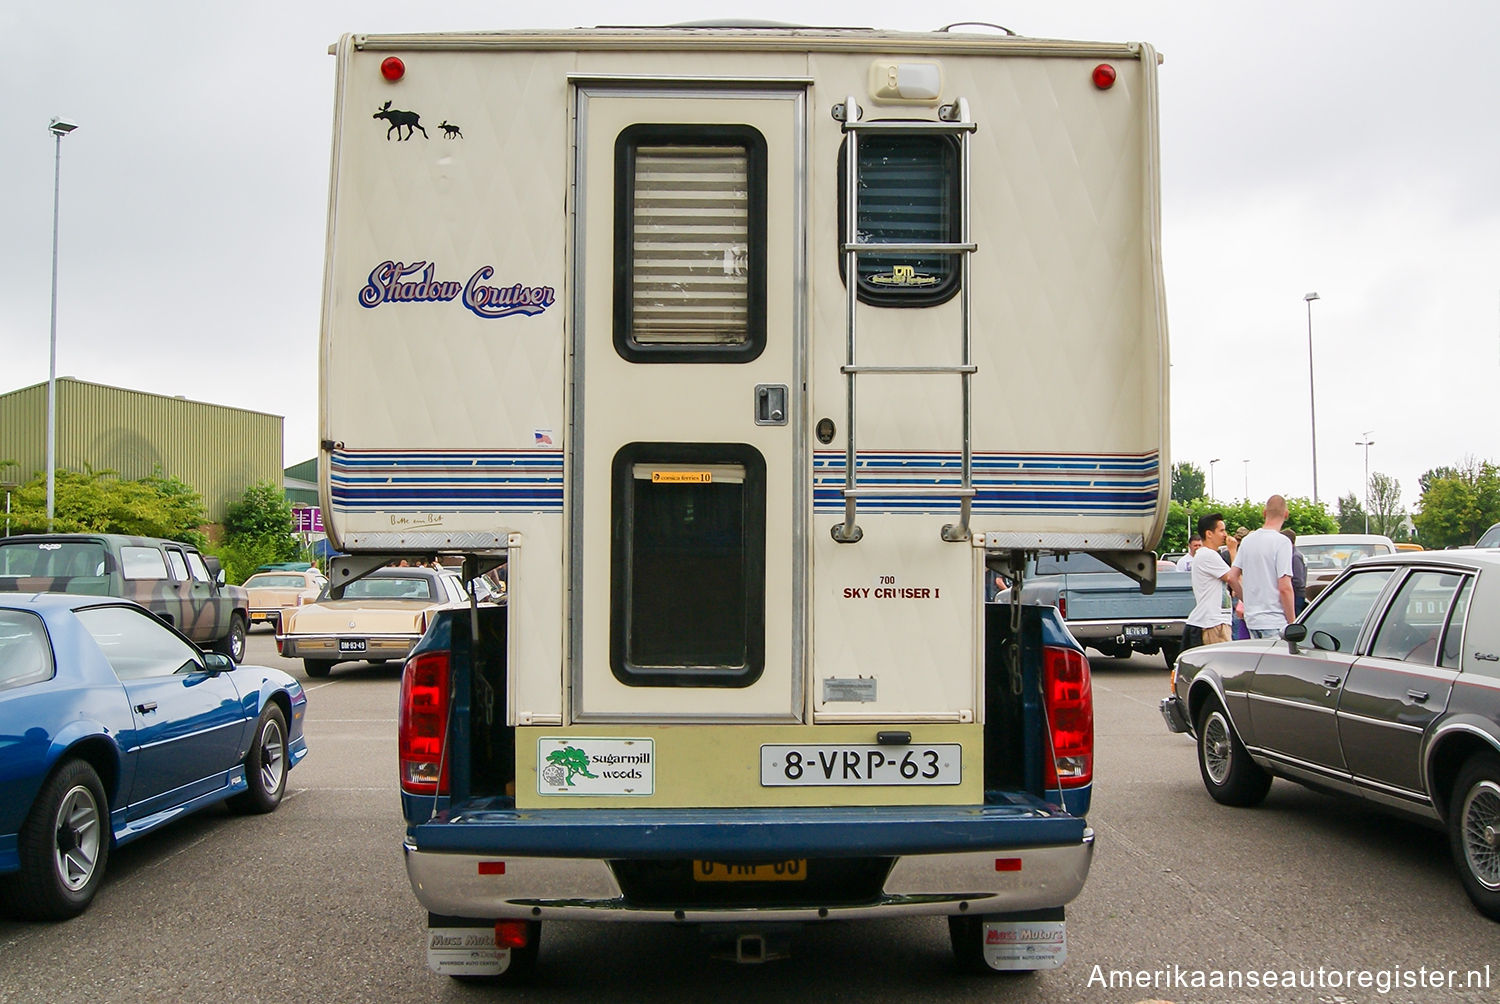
x=823, y=764
x=1036, y=944
x=573, y=765
x=465, y=951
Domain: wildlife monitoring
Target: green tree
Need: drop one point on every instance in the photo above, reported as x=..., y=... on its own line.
x=1458, y=503
x=99, y=502
x=1187, y=482
x=1386, y=514
x=1352, y=517
x=257, y=531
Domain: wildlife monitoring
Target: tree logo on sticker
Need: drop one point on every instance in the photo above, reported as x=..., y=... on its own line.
x=564, y=765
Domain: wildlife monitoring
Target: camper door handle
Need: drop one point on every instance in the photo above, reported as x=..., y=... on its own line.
x=770, y=404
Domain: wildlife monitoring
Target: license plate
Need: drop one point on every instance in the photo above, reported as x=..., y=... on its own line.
x=351, y=644
x=259, y=617
x=1137, y=631
x=794, y=870
x=816, y=764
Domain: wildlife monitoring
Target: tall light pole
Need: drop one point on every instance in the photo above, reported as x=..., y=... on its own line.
x=59, y=129
x=1247, y=478
x=1367, y=442
x=1312, y=394
x=1211, y=491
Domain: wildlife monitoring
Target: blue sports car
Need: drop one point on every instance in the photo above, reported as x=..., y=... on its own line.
x=113, y=724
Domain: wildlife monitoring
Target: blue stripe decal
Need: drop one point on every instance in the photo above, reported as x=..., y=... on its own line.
x=532, y=481
x=1017, y=483
x=446, y=481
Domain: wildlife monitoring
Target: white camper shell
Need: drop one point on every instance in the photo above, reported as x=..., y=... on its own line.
x=748, y=348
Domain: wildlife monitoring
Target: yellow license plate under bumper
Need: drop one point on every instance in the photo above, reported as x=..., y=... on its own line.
x=793, y=870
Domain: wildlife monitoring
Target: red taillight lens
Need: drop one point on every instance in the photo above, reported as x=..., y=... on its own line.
x=1104, y=76
x=392, y=69
x=424, y=724
x=512, y=933
x=1062, y=607
x=1069, y=692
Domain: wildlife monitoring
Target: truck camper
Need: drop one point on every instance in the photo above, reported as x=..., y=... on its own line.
x=752, y=351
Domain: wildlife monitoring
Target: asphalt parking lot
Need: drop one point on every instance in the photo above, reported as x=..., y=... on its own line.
x=311, y=903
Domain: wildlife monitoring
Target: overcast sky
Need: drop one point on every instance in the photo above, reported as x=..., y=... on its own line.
x=1347, y=148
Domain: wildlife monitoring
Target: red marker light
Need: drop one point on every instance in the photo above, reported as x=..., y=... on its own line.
x=1104, y=76
x=392, y=69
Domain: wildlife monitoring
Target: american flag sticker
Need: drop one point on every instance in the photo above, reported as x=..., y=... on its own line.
x=541, y=437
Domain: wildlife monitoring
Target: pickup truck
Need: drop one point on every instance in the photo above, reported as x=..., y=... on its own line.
x=490, y=869
x=171, y=579
x=1106, y=610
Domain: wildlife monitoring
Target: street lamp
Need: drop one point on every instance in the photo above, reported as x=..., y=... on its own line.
x=1312, y=394
x=58, y=128
x=1211, y=492
x=1247, y=478
x=1367, y=442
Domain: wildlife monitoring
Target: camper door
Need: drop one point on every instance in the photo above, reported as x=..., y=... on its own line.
x=686, y=520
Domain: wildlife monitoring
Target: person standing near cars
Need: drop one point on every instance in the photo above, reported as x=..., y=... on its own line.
x=1185, y=563
x=1299, y=572
x=1262, y=574
x=1208, y=624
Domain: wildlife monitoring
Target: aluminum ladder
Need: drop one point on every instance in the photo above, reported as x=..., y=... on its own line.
x=954, y=120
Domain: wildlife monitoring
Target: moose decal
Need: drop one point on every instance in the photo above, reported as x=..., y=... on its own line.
x=451, y=131
x=397, y=119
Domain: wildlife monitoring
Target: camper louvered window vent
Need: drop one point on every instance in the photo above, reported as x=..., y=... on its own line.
x=690, y=226
x=908, y=194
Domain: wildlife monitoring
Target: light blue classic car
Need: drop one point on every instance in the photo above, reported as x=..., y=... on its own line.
x=111, y=725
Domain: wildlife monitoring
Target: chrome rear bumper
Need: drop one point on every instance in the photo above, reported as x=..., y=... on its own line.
x=536, y=888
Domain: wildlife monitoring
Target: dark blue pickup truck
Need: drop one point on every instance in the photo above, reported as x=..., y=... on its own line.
x=491, y=867
x=1107, y=610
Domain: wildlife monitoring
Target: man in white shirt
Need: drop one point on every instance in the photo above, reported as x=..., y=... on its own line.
x=1185, y=563
x=1208, y=624
x=1262, y=574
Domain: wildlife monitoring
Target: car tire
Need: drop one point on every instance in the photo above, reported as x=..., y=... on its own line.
x=966, y=935
x=266, y=765
x=1474, y=831
x=317, y=668
x=1229, y=774
x=233, y=643
x=63, y=845
x=522, y=962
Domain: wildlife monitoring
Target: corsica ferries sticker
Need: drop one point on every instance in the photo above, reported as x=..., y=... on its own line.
x=417, y=282
x=579, y=766
x=903, y=275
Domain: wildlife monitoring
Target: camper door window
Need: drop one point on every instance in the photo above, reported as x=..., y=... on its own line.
x=688, y=558
x=908, y=194
x=690, y=243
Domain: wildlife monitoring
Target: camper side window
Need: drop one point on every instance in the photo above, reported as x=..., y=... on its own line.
x=908, y=194
x=690, y=244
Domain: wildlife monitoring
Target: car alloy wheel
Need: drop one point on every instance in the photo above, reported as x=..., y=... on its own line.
x=1480, y=819
x=272, y=755
x=1218, y=748
x=78, y=828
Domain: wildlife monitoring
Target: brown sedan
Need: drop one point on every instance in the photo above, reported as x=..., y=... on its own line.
x=1387, y=688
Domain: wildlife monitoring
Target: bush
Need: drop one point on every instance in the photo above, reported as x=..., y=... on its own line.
x=99, y=502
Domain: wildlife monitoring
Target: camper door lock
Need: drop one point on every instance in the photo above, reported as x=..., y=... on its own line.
x=770, y=404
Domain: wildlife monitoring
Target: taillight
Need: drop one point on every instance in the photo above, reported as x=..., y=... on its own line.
x=1062, y=607
x=1069, y=692
x=424, y=724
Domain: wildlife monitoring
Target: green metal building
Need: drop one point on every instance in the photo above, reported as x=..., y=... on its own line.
x=218, y=450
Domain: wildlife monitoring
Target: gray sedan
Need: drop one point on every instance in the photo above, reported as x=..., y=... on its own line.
x=1387, y=688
